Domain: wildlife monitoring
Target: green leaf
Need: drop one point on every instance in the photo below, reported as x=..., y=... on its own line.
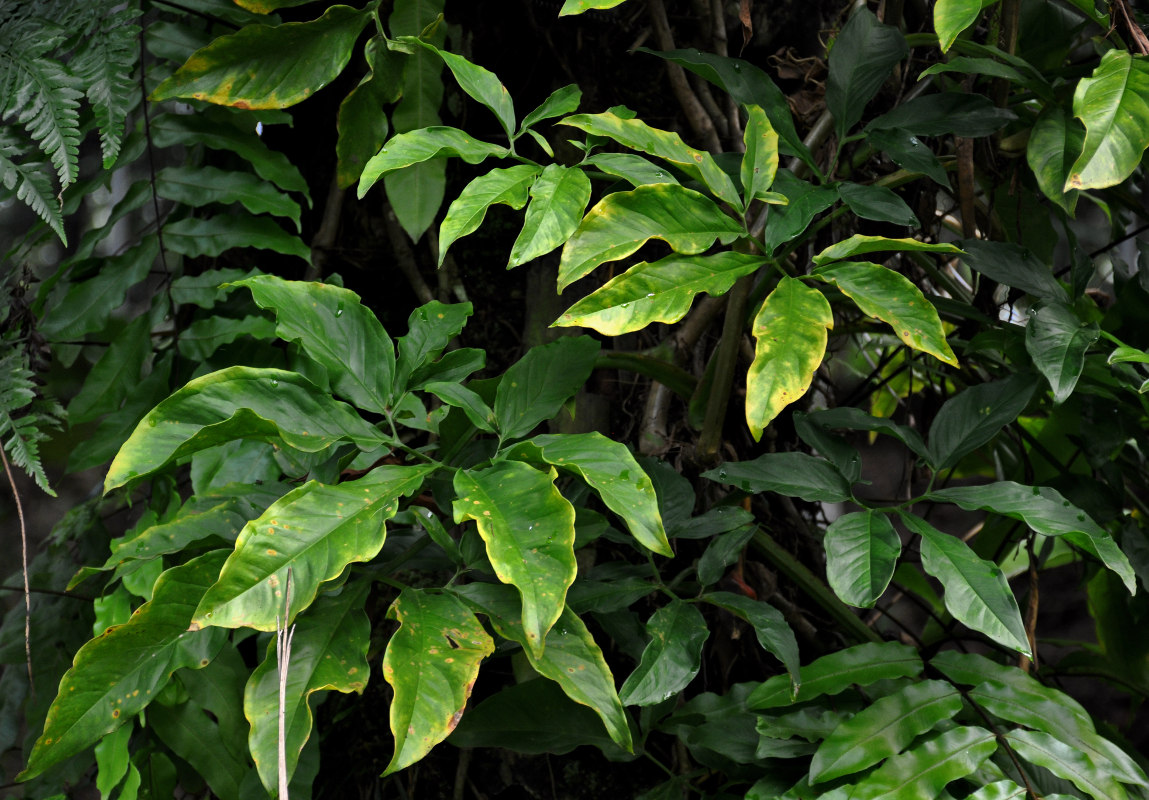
x=558, y=200
x=1055, y=142
x=632, y=168
x=862, y=550
x=208, y=288
x=862, y=664
x=974, y=417
x=877, y=203
x=908, y=152
x=337, y=330
x=1056, y=339
x=432, y=662
x=1113, y=103
x=429, y=329
x=672, y=657
x=312, y=533
x=466, y=213
x=561, y=101
x=33, y=186
x=328, y=651
x=1046, y=512
x=115, y=375
x=891, y=297
x=204, y=336
x=424, y=144
x=1001, y=790
x=722, y=551
x=118, y=673
x=478, y=82
x=361, y=121
x=770, y=627
x=791, y=331
x=662, y=291
x=786, y=223
x=859, y=245
x=193, y=735
x=609, y=468
x=200, y=185
x=528, y=529
x=459, y=396
x=415, y=194
x=792, y=474
x=854, y=419
x=951, y=17
x=884, y=729
x=536, y=386
x=1012, y=265
x=925, y=770
x=263, y=66
x=571, y=7
x=112, y=759
x=571, y=658
x=236, y=403
x=194, y=237
x=976, y=590
x=863, y=57
x=945, y=114
x=760, y=160
x=1066, y=761
x=637, y=135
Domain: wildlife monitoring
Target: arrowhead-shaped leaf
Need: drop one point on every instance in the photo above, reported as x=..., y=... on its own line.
x=528, y=528
x=622, y=222
x=432, y=662
x=424, y=144
x=862, y=664
x=313, y=533
x=791, y=332
x=672, y=657
x=466, y=213
x=862, y=551
x=1114, y=105
x=558, y=200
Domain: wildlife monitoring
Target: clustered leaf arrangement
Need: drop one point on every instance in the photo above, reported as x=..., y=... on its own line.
x=289, y=463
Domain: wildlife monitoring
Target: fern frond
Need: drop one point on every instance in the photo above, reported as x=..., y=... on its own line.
x=46, y=102
x=25, y=417
x=104, y=62
x=31, y=184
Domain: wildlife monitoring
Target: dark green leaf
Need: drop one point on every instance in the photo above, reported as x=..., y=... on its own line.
x=204, y=336
x=1057, y=339
x=459, y=396
x=854, y=419
x=722, y=551
x=951, y=17
x=788, y=222
x=925, y=770
x=974, y=417
x=194, y=237
x=793, y=474
x=969, y=115
x=115, y=375
x=862, y=664
x=908, y=152
x=770, y=627
x=536, y=386
x=200, y=185
x=86, y=306
x=1012, y=265
x=877, y=203
x=478, y=82
x=208, y=288
x=862, y=550
x=672, y=657
x=362, y=124
x=429, y=329
x=863, y=57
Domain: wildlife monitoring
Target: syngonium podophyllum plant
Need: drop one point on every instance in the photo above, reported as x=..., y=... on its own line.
x=371, y=463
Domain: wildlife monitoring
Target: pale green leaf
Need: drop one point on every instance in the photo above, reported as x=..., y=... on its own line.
x=859, y=245
x=951, y=17
x=632, y=168
x=1066, y=761
x=925, y=770
x=1113, y=103
x=478, y=82
x=424, y=144
x=466, y=213
x=558, y=200
x=760, y=160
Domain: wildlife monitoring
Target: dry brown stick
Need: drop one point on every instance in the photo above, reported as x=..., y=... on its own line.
x=24, y=563
x=699, y=121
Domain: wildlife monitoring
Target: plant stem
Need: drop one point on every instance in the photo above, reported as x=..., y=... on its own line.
x=24, y=565
x=710, y=439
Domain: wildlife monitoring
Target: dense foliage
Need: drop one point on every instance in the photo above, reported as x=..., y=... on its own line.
x=790, y=540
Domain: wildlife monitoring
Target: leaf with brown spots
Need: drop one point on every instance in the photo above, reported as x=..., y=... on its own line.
x=115, y=675
x=328, y=651
x=432, y=662
x=315, y=531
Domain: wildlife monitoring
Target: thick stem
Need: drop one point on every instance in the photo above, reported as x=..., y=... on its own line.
x=696, y=116
x=710, y=440
x=324, y=239
x=405, y=256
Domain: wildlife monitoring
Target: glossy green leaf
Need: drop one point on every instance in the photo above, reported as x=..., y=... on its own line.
x=632, y=168
x=951, y=17
x=1046, y=512
x=201, y=185
x=637, y=135
x=1113, y=103
x=749, y=85
x=528, y=529
x=858, y=245
x=884, y=729
x=791, y=331
x=946, y=114
x=361, y=121
x=421, y=145
x=973, y=417
x=609, y=468
x=579, y=6
x=559, y=102
x=571, y=658
x=536, y=386
x=1066, y=761
x=1054, y=144
x=416, y=194
x=1056, y=338
x=770, y=627
x=456, y=365
x=672, y=657
x=117, y=372
x=478, y=82
x=112, y=759
x=313, y=532
x=262, y=66
x=337, y=330
x=1000, y=790
x=722, y=551
x=328, y=651
x=118, y=673
x=877, y=203
x=793, y=474
x=194, y=237
x=1012, y=265
x=459, y=396
x=908, y=152
x=204, y=336
x=236, y=403
x=558, y=200
x=854, y=419
x=976, y=590
x=863, y=57
x=806, y=201
x=862, y=664
x=760, y=160
x=466, y=213
x=862, y=550
x=429, y=329
x=891, y=297
x=432, y=662
x=925, y=770
x=661, y=291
